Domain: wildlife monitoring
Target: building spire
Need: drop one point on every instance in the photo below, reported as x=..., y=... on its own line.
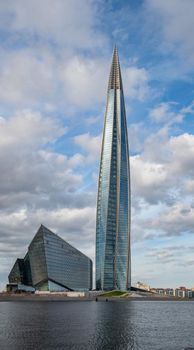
x=115, y=80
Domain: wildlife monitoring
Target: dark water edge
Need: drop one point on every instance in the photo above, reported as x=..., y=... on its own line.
x=135, y=325
x=58, y=297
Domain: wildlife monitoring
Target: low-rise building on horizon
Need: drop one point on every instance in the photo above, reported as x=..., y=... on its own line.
x=180, y=292
x=142, y=285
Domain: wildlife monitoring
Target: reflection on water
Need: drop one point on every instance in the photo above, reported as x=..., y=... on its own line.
x=132, y=325
x=112, y=327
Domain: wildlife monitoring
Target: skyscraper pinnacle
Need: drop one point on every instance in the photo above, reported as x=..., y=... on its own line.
x=115, y=80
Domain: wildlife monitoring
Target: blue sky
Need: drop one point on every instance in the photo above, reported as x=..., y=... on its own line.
x=54, y=65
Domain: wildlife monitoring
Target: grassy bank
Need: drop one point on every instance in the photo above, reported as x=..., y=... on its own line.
x=113, y=293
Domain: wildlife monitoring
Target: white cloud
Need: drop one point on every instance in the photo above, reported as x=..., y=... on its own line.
x=176, y=23
x=27, y=128
x=148, y=178
x=163, y=167
x=162, y=190
x=63, y=22
x=40, y=78
x=90, y=144
x=177, y=220
x=163, y=113
x=136, y=83
x=84, y=81
x=27, y=77
x=188, y=109
x=28, y=168
x=46, y=66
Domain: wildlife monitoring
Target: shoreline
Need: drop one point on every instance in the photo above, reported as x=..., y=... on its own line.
x=62, y=298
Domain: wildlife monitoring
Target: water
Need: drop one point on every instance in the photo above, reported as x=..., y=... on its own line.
x=131, y=325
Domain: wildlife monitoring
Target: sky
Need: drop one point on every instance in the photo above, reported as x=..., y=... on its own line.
x=55, y=59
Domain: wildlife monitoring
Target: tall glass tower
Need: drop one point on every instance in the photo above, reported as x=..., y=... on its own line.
x=113, y=264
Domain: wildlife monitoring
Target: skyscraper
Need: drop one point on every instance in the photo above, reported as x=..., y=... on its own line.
x=113, y=264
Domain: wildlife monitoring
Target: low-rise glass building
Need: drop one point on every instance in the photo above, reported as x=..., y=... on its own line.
x=52, y=264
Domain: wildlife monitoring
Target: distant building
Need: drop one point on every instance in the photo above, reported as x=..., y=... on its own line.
x=142, y=285
x=52, y=264
x=113, y=220
x=169, y=291
x=181, y=292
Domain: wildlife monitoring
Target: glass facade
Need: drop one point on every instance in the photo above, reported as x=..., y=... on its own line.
x=17, y=274
x=53, y=264
x=113, y=264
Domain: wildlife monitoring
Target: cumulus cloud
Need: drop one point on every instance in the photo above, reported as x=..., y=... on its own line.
x=27, y=128
x=90, y=144
x=27, y=166
x=176, y=23
x=174, y=221
x=32, y=175
x=65, y=22
x=161, y=171
x=84, y=80
x=39, y=78
x=163, y=113
x=27, y=77
x=162, y=190
x=46, y=64
x=136, y=83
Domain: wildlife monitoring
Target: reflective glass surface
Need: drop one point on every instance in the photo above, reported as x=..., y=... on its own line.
x=65, y=264
x=52, y=264
x=17, y=273
x=37, y=258
x=113, y=268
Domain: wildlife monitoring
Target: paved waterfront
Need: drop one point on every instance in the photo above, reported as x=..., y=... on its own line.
x=61, y=297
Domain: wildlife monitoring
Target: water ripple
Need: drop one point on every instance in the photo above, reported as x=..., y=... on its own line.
x=137, y=325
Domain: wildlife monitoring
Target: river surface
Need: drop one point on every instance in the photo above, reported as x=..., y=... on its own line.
x=134, y=325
